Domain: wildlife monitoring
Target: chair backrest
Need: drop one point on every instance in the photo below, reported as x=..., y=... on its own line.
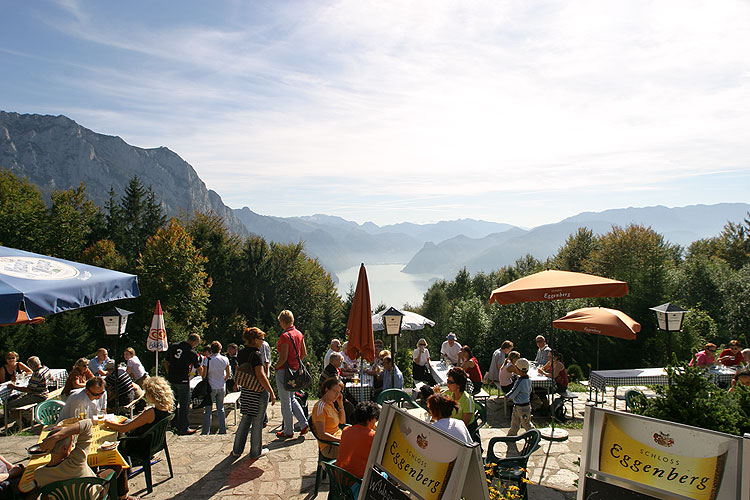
x=47, y=412
x=314, y=431
x=480, y=414
x=530, y=440
x=80, y=488
x=396, y=396
x=341, y=482
x=634, y=399
x=156, y=436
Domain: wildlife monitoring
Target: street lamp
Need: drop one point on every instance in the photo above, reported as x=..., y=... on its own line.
x=115, y=320
x=392, y=320
x=669, y=319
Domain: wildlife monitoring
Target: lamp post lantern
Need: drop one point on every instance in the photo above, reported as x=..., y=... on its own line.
x=669, y=319
x=392, y=320
x=115, y=320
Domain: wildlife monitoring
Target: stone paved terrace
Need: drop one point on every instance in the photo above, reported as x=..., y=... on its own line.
x=204, y=469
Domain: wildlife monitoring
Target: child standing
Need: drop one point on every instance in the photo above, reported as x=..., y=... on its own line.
x=520, y=394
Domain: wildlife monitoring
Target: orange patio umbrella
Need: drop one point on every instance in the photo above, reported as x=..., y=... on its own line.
x=554, y=285
x=23, y=319
x=600, y=321
x=361, y=341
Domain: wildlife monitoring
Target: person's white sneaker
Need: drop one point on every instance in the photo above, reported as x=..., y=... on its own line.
x=263, y=452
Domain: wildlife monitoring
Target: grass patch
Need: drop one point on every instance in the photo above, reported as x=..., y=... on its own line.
x=569, y=424
x=577, y=387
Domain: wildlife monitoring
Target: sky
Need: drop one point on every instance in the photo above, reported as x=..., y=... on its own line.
x=522, y=112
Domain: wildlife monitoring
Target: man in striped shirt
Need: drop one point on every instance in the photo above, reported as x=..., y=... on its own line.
x=36, y=391
x=120, y=387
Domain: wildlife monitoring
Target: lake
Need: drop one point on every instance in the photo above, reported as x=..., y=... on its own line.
x=387, y=284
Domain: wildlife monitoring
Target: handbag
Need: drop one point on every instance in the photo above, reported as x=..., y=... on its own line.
x=202, y=391
x=244, y=377
x=295, y=380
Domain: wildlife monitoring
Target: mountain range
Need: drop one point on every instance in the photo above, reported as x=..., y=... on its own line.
x=54, y=152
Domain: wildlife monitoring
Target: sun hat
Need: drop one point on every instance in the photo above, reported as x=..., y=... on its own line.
x=523, y=364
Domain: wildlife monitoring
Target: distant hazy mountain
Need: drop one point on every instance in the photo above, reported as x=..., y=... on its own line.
x=681, y=226
x=54, y=152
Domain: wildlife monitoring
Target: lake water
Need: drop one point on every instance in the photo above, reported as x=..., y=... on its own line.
x=387, y=284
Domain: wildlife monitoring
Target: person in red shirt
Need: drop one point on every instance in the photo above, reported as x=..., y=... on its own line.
x=731, y=356
x=292, y=350
x=356, y=440
x=469, y=363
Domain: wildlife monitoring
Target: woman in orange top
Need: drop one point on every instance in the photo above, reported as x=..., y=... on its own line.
x=77, y=377
x=356, y=440
x=326, y=417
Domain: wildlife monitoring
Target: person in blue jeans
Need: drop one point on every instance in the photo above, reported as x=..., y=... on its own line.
x=520, y=394
x=255, y=392
x=216, y=371
x=180, y=357
x=292, y=350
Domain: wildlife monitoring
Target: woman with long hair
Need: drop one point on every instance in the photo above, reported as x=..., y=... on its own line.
x=469, y=363
x=255, y=391
x=12, y=367
x=77, y=378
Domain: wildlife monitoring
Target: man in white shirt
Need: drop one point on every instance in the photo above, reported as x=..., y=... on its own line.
x=335, y=347
x=215, y=370
x=450, y=348
x=90, y=400
x=542, y=355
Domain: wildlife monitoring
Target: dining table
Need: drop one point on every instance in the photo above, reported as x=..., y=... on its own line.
x=96, y=456
x=361, y=390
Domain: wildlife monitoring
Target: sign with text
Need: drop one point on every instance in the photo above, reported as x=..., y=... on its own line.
x=659, y=458
x=422, y=460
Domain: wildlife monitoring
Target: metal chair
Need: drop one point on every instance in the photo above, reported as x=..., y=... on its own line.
x=396, y=396
x=142, y=448
x=341, y=482
x=513, y=468
x=322, y=459
x=80, y=488
x=47, y=412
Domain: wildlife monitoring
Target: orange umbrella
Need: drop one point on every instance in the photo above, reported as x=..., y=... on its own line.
x=361, y=341
x=23, y=319
x=554, y=285
x=600, y=321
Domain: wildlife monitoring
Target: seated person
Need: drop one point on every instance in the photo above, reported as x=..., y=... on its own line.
x=732, y=356
x=98, y=365
x=67, y=462
x=121, y=388
x=706, y=357
x=561, y=374
x=135, y=368
x=392, y=376
x=469, y=363
x=509, y=372
x=77, y=377
x=89, y=401
x=327, y=418
x=10, y=476
x=742, y=377
x=356, y=440
x=376, y=371
x=36, y=391
x=456, y=381
x=12, y=367
x=420, y=367
x=441, y=407
x=158, y=396
x=333, y=369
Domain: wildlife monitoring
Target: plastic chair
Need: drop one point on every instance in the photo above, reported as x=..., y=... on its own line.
x=80, y=488
x=634, y=399
x=47, y=412
x=396, y=396
x=322, y=459
x=341, y=482
x=145, y=446
x=514, y=468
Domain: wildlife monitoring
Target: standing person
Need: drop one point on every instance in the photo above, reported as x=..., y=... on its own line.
x=498, y=360
x=420, y=367
x=450, y=348
x=180, y=356
x=216, y=372
x=732, y=355
x=98, y=364
x=520, y=394
x=469, y=363
x=232, y=357
x=543, y=351
x=36, y=391
x=335, y=347
x=12, y=367
x=292, y=350
x=135, y=368
x=706, y=357
x=255, y=392
x=77, y=378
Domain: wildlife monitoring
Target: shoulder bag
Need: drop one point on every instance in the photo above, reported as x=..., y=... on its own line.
x=299, y=379
x=202, y=391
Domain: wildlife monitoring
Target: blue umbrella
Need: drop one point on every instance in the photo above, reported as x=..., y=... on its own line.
x=48, y=285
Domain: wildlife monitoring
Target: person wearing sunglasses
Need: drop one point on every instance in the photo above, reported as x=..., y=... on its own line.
x=706, y=357
x=12, y=367
x=456, y=381
x=731, y=356
x=90, y=400
x=420, y=367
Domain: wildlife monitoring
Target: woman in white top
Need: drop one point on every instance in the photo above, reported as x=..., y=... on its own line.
x=135, y=368
x=441, y=408
x=420, y=368
x=505, y=376
x=215, y=370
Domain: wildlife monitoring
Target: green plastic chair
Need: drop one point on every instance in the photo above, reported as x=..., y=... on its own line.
x=634, y=399
x=514, y=468
x=80, y=488
x=341, y=482
x=148, y=444
x=322, y=459
x=47, y=412
x=396, y=396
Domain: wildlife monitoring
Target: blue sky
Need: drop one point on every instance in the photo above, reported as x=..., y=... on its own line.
x=522, y=112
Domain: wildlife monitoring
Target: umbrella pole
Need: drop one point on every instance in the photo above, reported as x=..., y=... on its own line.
x=157, y=363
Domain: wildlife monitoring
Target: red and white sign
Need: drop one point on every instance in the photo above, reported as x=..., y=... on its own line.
x=157, y=334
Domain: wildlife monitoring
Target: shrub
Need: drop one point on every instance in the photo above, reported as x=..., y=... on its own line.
x=575, y=373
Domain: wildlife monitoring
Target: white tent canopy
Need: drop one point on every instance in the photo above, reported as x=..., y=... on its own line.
x=412, y=321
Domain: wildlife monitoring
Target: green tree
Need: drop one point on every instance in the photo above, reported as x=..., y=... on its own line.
x=137, y=218
x=69, y=223
x=104, y=254
x=471, y=324
x=572, y=256
x=734, y=243
x=22, y=213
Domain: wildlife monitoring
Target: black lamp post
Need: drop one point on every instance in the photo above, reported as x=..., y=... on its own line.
x=392, y=320
x=669, y=319
x=115, y=320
